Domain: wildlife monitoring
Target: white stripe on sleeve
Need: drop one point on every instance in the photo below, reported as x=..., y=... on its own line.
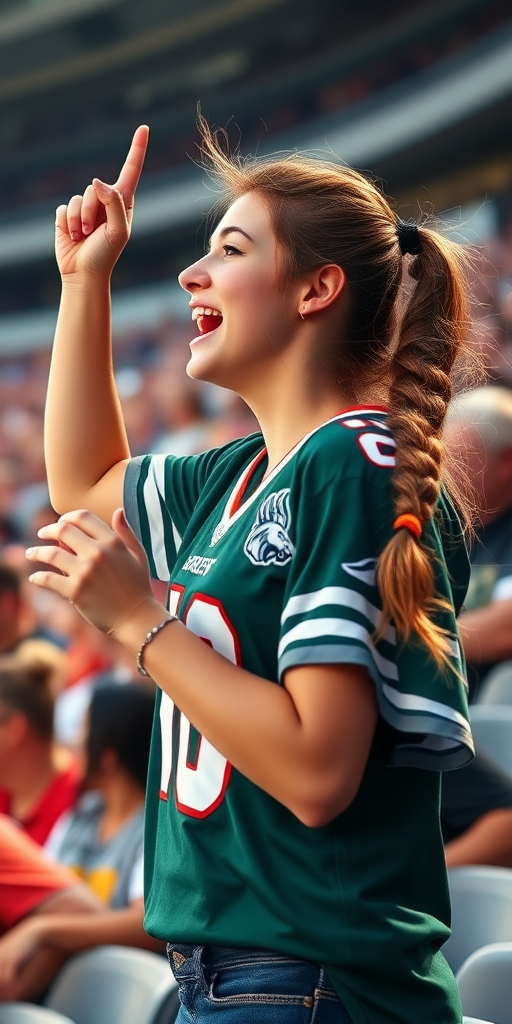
x=312, y=629
x=345, y=596
x=154, y=487
x=412, y=702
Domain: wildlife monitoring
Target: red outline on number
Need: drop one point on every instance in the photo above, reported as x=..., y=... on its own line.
x=176, y=588
x=385, y=441
x=192, y=812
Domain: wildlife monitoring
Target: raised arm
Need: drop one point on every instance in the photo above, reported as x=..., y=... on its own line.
x=85, y=440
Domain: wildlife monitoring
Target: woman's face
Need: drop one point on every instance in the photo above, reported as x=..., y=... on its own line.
x=243, y=314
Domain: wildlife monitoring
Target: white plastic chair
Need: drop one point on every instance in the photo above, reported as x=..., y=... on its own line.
x=497, y=686
x=27, y=1013
x=491, y=725
x=481, y=910
x=115, y=985
x=485, y=982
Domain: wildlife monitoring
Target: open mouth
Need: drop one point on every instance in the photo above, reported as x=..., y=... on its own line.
x=207, y=319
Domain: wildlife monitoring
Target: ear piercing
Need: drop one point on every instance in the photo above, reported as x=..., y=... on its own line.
x=301, y=311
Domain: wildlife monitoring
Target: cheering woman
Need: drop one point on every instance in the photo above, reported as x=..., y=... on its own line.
x=309, y=679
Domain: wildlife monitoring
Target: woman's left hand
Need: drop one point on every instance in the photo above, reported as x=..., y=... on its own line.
x=102, y=571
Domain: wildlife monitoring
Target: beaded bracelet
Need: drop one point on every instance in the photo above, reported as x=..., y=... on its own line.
x=147, y=640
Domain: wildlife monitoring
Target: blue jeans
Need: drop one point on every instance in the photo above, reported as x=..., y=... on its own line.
x=251, y=986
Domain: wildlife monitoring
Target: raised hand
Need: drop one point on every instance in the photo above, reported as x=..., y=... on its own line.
x=93, y=229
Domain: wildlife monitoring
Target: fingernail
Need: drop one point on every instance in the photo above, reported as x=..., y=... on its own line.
x=85, y=229
x=29, y=551
x=75, y=236
x=41, y=532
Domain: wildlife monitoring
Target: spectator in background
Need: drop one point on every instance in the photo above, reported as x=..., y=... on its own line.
x=89, y=660
x=479, y=430
x=31, y=887
x=20, y=619
x=38, y=782
x=102, y=837
x=10, y=609
x=476, y=807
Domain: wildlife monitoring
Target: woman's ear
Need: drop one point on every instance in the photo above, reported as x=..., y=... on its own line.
x=323, y=287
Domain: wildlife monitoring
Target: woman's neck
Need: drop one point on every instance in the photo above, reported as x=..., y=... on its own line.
x=123, y=797
x=287, y=418
x=31, y=776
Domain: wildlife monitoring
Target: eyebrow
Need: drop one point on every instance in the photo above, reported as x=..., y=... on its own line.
x=227, y=231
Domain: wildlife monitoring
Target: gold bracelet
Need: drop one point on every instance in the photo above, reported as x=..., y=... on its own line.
x=147, y=640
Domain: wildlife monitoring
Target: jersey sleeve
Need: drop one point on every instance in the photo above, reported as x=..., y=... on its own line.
x=160, y=495
x=332, y=607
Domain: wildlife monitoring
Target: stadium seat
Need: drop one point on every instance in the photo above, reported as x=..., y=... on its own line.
x=497, y=686
x=491, y=725
x=27, y=1013
x=485, y=982
x=481, y=910
x=116, y=985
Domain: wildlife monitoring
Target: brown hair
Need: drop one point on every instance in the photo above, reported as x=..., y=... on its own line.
x=27, y=685
x=323, y=212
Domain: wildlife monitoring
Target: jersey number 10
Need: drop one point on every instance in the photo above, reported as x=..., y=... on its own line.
x=201, y=779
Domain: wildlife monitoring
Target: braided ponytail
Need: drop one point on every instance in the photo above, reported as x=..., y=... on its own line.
x=432, y=333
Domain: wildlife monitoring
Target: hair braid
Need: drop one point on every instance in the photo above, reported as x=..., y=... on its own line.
x=432, y=333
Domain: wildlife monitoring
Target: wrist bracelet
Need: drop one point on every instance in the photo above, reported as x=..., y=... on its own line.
x=147, y=640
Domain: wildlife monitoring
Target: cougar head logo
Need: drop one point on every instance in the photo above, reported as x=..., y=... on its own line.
x=268, y=540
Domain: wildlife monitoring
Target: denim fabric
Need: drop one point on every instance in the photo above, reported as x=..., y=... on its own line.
x=246, y=986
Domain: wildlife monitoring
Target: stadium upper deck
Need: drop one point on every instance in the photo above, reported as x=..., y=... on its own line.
x=404, y=91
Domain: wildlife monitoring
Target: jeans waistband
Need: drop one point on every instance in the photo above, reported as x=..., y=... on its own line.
x=186, y=957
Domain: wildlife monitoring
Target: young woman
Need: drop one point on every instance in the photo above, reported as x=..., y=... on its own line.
x=293, y=854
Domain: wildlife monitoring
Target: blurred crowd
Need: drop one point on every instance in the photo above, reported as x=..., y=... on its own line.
x=159, y=97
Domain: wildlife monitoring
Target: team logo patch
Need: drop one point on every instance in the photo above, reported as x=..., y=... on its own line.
x=218, y=532
x=268, y=542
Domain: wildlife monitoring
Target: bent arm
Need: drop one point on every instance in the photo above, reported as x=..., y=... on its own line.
x=85, y=439
x=86, y=447
x=487, y=841
x=27, y=964
x=486, y=633
x=71, y=933
x=305, y=743
x=33, y=951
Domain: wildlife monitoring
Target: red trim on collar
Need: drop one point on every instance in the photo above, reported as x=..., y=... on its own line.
x=245, y=482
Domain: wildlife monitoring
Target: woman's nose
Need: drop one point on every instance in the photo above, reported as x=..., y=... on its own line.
x=195, y=277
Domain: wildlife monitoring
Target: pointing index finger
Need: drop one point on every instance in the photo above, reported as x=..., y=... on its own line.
x=132, y=168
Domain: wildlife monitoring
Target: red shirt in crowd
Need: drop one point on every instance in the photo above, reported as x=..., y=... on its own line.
x=60, y=795
x=27, y=878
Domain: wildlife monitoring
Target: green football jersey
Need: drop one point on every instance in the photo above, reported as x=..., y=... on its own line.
x=278, y=572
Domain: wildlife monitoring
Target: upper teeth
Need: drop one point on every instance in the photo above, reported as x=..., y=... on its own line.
x=204, y=311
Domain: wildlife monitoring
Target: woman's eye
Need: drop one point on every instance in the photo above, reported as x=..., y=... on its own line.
x=230, y=250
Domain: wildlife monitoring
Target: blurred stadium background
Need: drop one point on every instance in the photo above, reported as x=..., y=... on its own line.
x=419, y=93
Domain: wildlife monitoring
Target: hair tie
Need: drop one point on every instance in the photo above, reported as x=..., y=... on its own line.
x=408, y=238
x=410, y=522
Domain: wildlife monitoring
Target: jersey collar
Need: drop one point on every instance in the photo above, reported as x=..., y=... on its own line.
x=235, y=507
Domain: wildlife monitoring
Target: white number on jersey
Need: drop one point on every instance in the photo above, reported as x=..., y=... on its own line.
x=200, y=783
